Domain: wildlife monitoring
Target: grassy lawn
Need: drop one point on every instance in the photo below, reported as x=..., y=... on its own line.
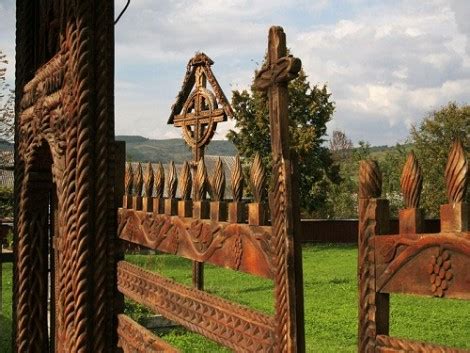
x=330, y=303
x=5, y=309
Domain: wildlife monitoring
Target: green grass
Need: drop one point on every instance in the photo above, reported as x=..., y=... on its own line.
x=330, y=303
x=5, y=309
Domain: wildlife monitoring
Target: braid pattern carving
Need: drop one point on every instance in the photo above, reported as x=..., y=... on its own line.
x=279, y=249
x=388, y=342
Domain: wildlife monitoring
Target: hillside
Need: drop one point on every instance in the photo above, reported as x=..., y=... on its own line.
x=142, y=149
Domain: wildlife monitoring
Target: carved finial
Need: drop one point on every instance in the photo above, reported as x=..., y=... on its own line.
x=237, y=180
x=218, y=182
x=172, y=180
x=456, y=173
x=257, y=178
x=185, y=182
x=138, y=180
x=129, y=179
x=148, y=180
x=200, y=181
x=411, y=182
x=370, y=179
x=159, y=181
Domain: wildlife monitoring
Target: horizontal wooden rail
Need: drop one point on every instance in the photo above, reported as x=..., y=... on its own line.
x=232, y=325
x=236, y=246
x=134, y=338
x=6, y=257
x=387, y=344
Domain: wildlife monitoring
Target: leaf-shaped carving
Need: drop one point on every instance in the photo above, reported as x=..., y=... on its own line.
x=200, y=181
x=370, y=179
x=159, y=181
x=172, y=180
x=411, y=182
x=257, y=178
x=237, y=180
x=138, y=180
x=129, y=180
x=148, y=180
x=456, y=173
x=218, y=182
x=186, y=182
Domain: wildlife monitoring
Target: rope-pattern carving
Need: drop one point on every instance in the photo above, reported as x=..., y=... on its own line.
x=257, y=178
x=413, y=346
x=138, y=180
x=172, y=180
x=159, y=181
x=148, y=180
x=218, y=182
x=279, y=245
x=129, y=179
x=411, y=182
x=456, y=173
x=200, y=181
x=237, y=180
x=186, y=182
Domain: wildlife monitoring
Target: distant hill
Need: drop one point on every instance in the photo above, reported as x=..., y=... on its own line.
x=142, y=149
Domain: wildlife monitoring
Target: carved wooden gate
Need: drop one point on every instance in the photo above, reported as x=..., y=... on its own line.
x=271, y=251
x=410, y=262
x=64, y=177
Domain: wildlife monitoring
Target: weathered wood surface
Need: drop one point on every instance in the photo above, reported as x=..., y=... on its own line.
x=134, y=338
x=237, y=246
x=387, y=344
x=235, y=326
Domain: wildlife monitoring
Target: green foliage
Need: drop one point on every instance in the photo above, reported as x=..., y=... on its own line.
x=6, y=202
x=432, y=139
x=310, y=108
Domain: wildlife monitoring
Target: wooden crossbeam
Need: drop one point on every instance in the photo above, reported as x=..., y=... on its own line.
x=232, y=325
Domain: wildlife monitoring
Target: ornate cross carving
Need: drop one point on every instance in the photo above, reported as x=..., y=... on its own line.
x=197, y=112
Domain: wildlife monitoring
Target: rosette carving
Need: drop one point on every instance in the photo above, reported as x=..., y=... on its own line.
x=237, y=180
x=172, y=180
x=186, y=182
x=218, y=182
x=456, y=173
x=159, y=182
x=411, y=182
x=370, y=179
x=148, y=180
x=129, y=179
x=200, y=181
x=138, y=180
x=257, y=178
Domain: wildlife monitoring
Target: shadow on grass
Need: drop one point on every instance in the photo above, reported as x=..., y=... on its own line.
x=5, y=334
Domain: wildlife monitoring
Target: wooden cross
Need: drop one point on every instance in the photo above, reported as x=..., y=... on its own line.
x=199, y=116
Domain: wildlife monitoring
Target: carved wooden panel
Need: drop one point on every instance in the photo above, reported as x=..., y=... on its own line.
x=233, y=325
x=231, y=245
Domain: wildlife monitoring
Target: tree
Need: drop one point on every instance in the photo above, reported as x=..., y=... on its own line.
x=310, y=108
x=7, y=102
x=340, y=145
x=432, y=139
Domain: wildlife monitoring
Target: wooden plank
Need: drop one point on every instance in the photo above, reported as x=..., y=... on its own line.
x=437, y=263
x=232, y=325
x=6, y=257
x=387, y=344
x=235, y=246
x=134, y=338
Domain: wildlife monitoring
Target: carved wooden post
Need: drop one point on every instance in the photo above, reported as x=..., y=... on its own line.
x=411, y=219
x=200, y=204
x=159, y=186
x=236, y=208
x=147, y=201
x=138, y=184
x=129, y=183
x=256, y=209
x=455, y=215
x=171, y=203
x=284, y=212
x=218, y=207
x=185, y=206
x=373, y=220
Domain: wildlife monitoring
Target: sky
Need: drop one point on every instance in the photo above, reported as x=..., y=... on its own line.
x=386, y=63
